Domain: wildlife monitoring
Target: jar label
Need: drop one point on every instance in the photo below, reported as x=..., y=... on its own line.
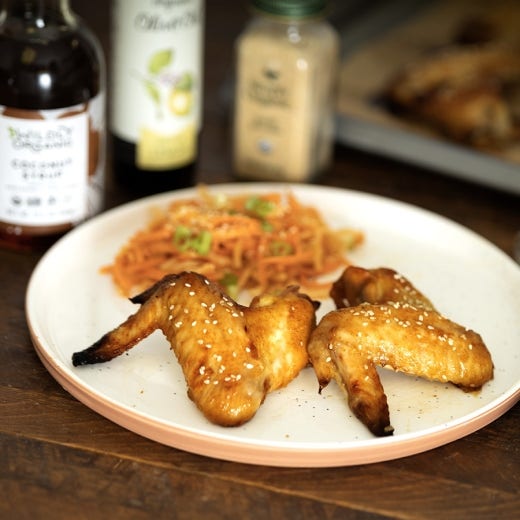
x=51, y=172
x=157, y=80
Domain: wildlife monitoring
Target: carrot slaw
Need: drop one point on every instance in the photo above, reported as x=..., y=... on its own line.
x=253, y=242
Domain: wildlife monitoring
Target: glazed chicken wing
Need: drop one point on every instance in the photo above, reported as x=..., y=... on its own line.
x=350, y=342
x=226, y=350
x=357, y=285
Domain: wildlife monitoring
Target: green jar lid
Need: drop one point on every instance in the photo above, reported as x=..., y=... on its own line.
x=290, y=8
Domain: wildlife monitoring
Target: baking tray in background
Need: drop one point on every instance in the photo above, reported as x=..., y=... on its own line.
x=379, y=41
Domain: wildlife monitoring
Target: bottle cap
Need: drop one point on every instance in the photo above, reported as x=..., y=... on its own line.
x=291, y=8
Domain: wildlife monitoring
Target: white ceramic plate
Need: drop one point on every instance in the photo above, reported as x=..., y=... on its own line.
x=70, y=304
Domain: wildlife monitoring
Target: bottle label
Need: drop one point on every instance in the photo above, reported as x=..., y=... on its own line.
x=51, y=172
x=157, y=79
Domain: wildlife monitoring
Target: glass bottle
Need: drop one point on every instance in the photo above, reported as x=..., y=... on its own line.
x=156, y=94
x=52, y=118
x=286, y=65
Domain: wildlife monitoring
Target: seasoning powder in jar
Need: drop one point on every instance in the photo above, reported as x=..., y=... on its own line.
x=287, y=61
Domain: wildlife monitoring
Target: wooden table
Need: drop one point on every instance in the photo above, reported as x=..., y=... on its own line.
x=59, y=459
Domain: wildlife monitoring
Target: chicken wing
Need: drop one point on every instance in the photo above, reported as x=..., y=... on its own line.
x=225, y=349
x=350, y=342
x=381, y=285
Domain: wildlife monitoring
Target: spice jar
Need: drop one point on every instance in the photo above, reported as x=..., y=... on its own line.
x=286, y=66
x=52, y=121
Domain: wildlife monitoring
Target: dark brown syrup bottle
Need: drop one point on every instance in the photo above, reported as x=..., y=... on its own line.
x=52, y=122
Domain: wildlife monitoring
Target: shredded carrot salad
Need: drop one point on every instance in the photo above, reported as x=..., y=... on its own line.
x=253, y=242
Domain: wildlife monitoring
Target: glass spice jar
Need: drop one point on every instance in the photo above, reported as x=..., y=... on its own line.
x=286, y=67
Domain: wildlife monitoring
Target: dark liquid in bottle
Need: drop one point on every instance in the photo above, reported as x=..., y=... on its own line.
x=44, y=68
x=144, y=182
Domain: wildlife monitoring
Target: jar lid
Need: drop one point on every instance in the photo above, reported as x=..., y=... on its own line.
x=290, y=8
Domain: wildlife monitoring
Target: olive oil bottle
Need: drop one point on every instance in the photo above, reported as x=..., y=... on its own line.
x=156, y=92
x=52, y=122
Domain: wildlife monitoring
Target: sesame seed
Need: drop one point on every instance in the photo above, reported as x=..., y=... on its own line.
x=192, y=293
x=194, y=323
x=178, y=324
x=187, y=284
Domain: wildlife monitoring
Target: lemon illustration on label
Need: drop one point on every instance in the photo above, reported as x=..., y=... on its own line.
x=180, y=100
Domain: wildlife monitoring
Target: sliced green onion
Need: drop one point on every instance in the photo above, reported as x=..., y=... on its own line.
x=258, y=206
x=186, y=239
x=230, y=283
x=280, y=248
